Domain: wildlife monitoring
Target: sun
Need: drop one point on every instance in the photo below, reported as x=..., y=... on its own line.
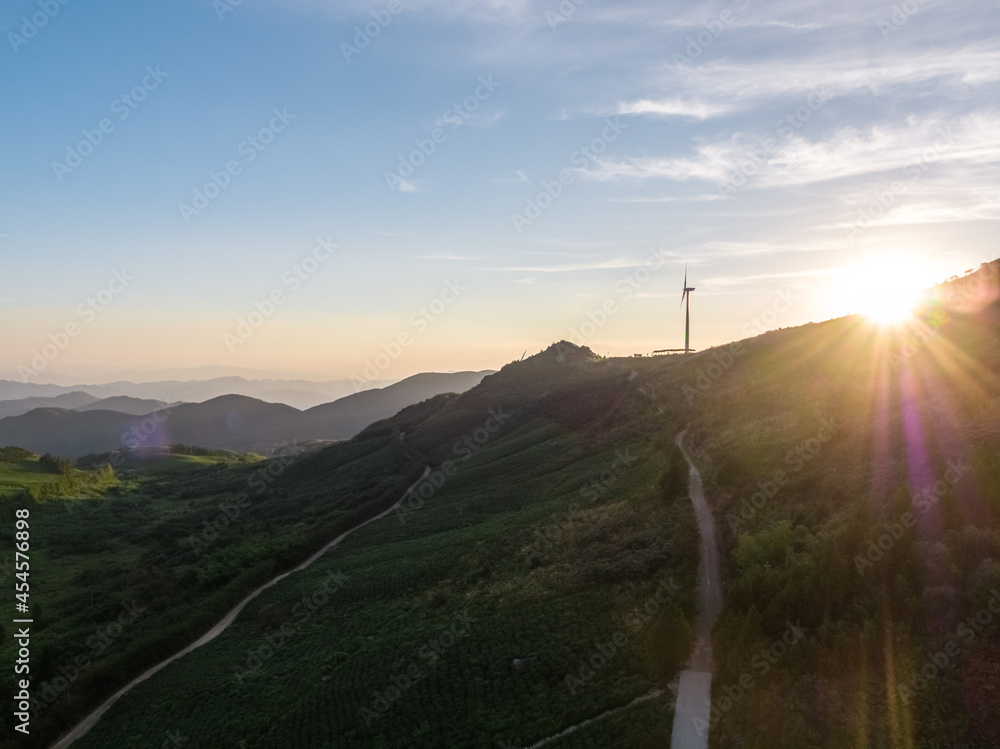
x=892, y=306
x=888, y=288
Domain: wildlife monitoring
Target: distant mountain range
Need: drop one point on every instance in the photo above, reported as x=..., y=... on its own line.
x=300, y=394
x=77, y=423
x=78, y=400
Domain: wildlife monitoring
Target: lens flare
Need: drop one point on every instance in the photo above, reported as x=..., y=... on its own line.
x=888, y=289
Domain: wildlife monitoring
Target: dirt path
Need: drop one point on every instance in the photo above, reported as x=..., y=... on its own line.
x=694, y=691
x=694, y=695
x=91, y=720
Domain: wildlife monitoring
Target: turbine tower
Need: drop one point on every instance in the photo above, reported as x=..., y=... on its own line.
x=686, y=297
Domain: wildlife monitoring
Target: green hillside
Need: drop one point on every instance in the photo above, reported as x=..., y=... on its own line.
x=179, y=546
x=856, y=482
x=19, y=471
x=544, y=522
x=854, y=472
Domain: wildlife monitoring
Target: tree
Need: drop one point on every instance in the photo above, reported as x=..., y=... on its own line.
x=53, y=464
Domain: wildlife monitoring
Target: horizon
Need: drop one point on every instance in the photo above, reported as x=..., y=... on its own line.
x=102, y=376
x=312, y=184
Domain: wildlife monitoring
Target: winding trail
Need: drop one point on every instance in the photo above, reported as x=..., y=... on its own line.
x=694, y=694
x=91, y=720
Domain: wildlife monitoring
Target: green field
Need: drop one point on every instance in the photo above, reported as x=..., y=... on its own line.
x=16, y=478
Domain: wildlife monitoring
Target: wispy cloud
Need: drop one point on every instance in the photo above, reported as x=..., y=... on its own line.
x=933, y=200
x=723, y=87
x=668, y=199
x=609, y=264
x=850, y=151
x=611, y=261
x=781, y=277
x=444, y=256
x=405, y=185
x=966, y=68
x=489, y=11
x=675, y=107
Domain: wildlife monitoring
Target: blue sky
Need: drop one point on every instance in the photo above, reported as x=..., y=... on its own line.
x=786, y=149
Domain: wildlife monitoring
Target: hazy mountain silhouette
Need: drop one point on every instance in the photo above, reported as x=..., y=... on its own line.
x=124, y=404
x=230, y=421
x=72, y=400
x=298, y=393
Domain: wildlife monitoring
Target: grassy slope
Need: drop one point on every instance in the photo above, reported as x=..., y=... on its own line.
x=793, y=558
x=92, y=558
x=465, y=550
x=18, y=477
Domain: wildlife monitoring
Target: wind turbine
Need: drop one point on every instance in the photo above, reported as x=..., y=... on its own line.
x=686, y=297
